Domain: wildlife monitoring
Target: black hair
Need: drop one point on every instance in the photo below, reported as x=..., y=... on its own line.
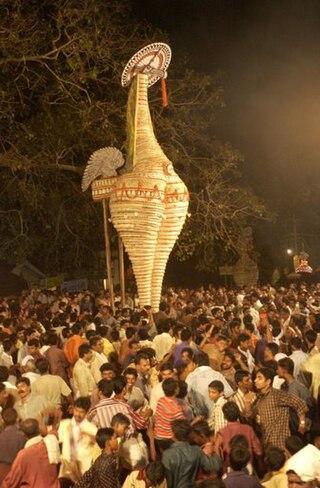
x=166, y=367
x=183, y=389
x=132, y=371
x=181, y=429
x=9, y=416
x=169, y=386
x=311, y=336
x=155, y=472
x=239, y=458
x=201, y=428
x=267, y=373
x=274, y=458
x=287, y=364
x=42, y=365
x=274, y=348
x=216, y=385
x=106, y=367
x=231, y=411
x=106, y=387
x=30, y=428
x=4, y=373
x=185, y=335
x=104, y=435
x=119, y=384
x=202, y=359
x=120, y=418
x=243, y=337
x=295, y=342
x=211, y=484
x=84, y=349
x=83, y=402
x=24, y=380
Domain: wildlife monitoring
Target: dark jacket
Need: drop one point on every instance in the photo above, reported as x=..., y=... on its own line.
x=183, y=461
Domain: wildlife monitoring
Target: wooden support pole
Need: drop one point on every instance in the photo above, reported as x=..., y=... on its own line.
x=121, y=272
x=105, y=204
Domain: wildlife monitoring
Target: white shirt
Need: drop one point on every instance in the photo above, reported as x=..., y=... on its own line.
x=299, y=358
x=156, y=393
x=198, y=382
x=162, y=344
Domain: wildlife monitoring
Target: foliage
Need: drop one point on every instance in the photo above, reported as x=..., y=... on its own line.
x=61, y=99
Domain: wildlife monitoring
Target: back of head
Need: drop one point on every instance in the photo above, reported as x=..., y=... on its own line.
x=287, y=364
x=119, y=384
x=155, y=472
x=170, y=386
x=30, y=428
x=202, y=360
x=293, y=444
x=231, y=411
x=120, y=418
x=239, y=457
x=103, y=436
x=106, y=387
x=9, y=417
x=42, y=366
x=274, y=458
x=181, y=430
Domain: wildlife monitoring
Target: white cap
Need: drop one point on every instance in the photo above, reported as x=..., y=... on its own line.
x=26, y=359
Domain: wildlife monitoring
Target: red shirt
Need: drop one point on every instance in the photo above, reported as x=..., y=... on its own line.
x=168, y=409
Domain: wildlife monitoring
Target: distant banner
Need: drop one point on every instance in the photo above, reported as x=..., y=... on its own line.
x=74, y=286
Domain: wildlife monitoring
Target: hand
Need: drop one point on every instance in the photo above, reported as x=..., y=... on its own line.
x=302, y=428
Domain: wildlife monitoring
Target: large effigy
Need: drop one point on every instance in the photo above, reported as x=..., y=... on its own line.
x=149, y=202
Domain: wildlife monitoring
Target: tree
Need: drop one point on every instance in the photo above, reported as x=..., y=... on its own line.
x=61, y=99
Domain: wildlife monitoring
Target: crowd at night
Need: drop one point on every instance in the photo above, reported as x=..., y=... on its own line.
x=219, y=388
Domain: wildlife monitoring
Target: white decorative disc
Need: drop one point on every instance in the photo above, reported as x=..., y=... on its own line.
x=153, y=60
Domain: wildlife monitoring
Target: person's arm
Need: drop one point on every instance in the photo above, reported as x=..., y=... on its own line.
x=298, y=405
x=87, y=479
x=210, y=463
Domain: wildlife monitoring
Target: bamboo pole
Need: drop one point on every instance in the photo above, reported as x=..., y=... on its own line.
x=121, y=272
x=105, y=204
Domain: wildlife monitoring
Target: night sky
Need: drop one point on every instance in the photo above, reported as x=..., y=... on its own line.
x=269, y=54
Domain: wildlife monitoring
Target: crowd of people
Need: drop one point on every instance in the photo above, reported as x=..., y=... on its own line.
x=219, y=388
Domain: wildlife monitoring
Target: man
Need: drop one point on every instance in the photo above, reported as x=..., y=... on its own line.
x=98, y=357
x=228, y=369
x=102, y=413
x=103, y=473
x=29, y=369
x=166, y=371
x=6, y=357
x=134, y=395
x=162, y=343
x=152, y=476
x=36, y=465
x=198, y=382
x=11, y=441
x=50, y=386
x=143, y=366
x=83, y=380
x=34, y=349
x=30, y=405
x=77, y=436
x=291, y=385
x=56, y=358
x=246, y=359
x=182, y=461
x=167, y=410
x=107, y=346
x=215, y=351
x=71, y=347
x=244, y=397
x=272, y=409
x=298, y=356
x=186, y=339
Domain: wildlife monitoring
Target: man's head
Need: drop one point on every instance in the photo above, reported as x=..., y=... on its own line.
x=186, y=335
x=270, y=351
x=155, y=474
x=30, y=428
x=243, y=380
x=120, y=424
x=33, y=346
x=285, y=368
x=105, y=388
x=10, y=417
x=107, y=371
x=222, y=343
x=244, y=341
x=170, y=387
x=106, y=439
x=42, y=366
x=264, y=379
x=231, y=411
x=216, y=390
x=120, y=386
x=239, y=458
x=85, y=353
x=181, y=430
x=187, y=355
x=80, y=409
x=200, y=432
x=23, y=387
x=274, y=458
x=166, y=371
x=96, y=343
x=227, y=362
x=130, y=375
x=142, y=363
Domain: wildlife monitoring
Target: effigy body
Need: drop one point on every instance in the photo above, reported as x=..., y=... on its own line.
x=149, y=205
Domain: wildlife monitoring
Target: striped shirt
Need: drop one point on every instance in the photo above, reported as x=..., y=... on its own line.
x=102, y=414
x=168, y=409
